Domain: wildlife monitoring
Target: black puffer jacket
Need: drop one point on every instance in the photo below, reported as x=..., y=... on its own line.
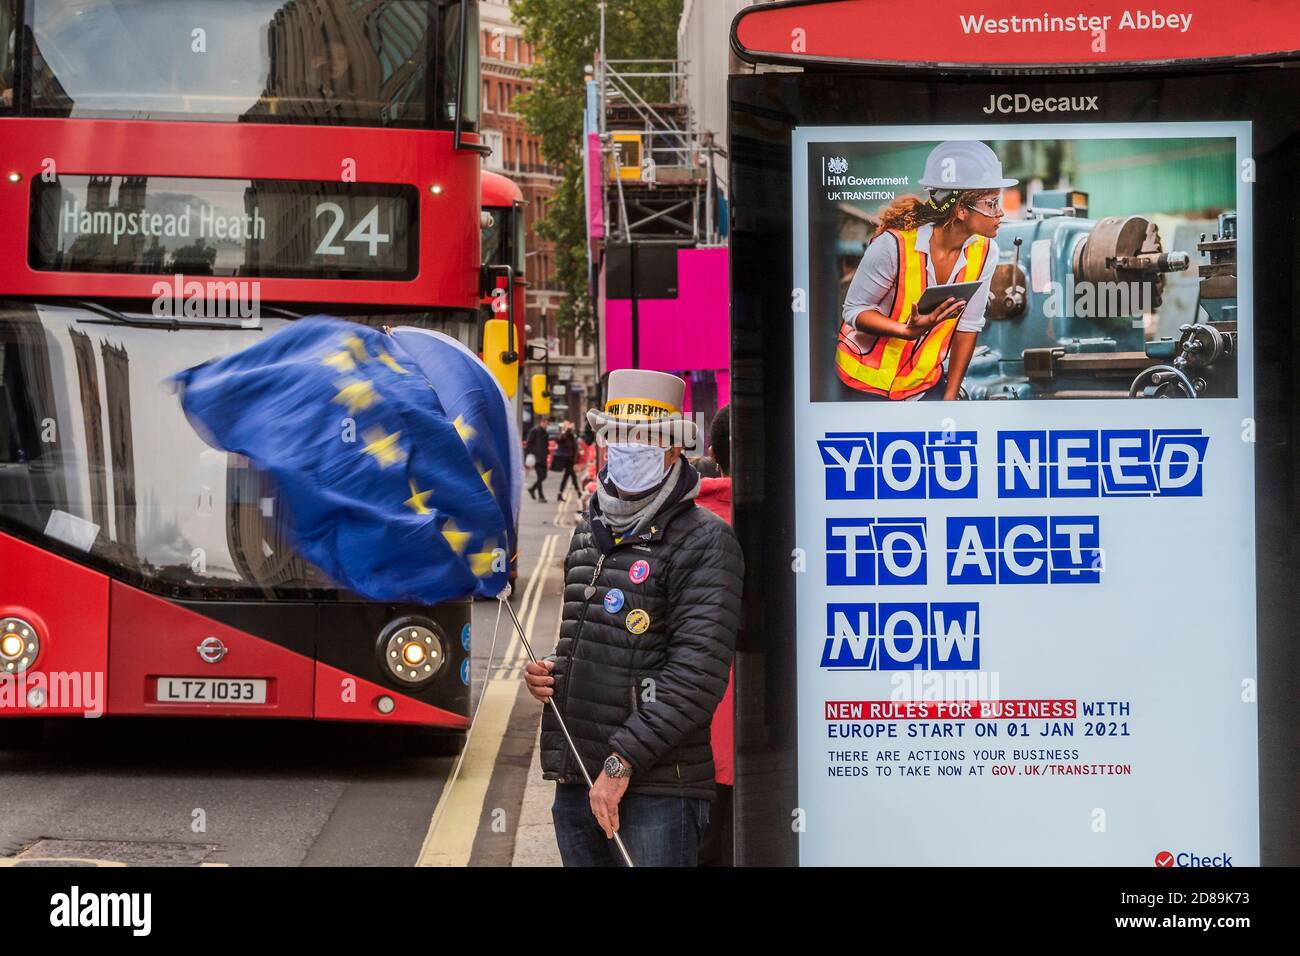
x=647, y=696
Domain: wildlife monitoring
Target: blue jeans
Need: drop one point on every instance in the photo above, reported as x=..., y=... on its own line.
x=657, y=831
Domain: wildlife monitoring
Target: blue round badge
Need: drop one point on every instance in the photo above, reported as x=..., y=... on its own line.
x=639, y=571
x=464, y=671
x=614, y=601
x=464, y=636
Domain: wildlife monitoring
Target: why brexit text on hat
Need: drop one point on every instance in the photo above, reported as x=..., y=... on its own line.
x=1062, y=463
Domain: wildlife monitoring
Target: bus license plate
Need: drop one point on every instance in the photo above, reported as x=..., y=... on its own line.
x=211, y=690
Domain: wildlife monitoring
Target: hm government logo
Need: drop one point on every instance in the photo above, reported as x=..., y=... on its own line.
x=837, y=166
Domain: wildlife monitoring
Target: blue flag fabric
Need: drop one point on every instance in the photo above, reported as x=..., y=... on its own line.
x=479, y=409
x=382, y=491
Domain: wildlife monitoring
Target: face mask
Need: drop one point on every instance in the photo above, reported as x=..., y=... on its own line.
x=634, y=467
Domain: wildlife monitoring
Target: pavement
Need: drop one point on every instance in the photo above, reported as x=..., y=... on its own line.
x=497, y=811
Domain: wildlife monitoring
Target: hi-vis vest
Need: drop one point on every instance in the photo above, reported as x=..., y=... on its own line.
x=900, y=368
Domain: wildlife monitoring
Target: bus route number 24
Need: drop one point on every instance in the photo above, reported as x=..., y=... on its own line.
x=366, y=231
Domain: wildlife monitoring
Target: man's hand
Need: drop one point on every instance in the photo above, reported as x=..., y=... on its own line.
x=539, y=680
x=605, y=795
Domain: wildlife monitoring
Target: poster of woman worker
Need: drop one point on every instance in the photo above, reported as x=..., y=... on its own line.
x=1023, y=269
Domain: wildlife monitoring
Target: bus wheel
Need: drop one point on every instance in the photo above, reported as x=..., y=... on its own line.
x=432, y=742
x=22, y=733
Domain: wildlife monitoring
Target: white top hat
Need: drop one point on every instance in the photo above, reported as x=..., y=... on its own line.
x=643, y=405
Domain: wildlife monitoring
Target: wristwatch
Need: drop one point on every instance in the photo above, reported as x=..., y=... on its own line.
x=614, y=767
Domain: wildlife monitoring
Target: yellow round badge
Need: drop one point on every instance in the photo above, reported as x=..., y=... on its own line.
x=637, y=621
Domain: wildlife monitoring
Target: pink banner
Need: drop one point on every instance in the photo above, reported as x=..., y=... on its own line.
x=595, y=206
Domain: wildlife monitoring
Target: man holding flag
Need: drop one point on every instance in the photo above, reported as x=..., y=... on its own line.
x=652, y=591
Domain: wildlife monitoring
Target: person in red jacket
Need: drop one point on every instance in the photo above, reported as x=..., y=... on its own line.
x=715, y=494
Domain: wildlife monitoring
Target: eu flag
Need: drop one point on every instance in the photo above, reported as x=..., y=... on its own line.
x=381, y=486
x=478, y=407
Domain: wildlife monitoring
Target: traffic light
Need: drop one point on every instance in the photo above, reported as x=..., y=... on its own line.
x=496, y=350
x=541, y=395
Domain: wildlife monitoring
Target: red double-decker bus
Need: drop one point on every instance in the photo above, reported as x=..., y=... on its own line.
x=179, y=179
x=503, y=242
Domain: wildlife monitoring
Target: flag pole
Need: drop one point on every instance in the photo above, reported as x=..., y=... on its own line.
x=528, y=647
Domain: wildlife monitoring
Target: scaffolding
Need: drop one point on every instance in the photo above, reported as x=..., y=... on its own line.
x=657, y=183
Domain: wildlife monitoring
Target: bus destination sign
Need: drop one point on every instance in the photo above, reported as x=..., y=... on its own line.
x=224, y=227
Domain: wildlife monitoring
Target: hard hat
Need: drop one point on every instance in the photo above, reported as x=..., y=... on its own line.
x=964, y=164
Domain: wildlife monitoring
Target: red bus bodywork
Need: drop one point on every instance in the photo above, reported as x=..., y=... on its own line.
x=320, y=658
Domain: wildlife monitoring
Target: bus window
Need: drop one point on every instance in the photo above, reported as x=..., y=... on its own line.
x=520, y=240
x=8, y=37
x=454, y=39
x=493, y=235
x=265, y=61
x=504, y=237
x=97, y=456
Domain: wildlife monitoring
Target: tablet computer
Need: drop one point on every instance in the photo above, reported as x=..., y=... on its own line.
x=934, y=296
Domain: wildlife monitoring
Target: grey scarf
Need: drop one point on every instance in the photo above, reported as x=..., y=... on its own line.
x=633, y=515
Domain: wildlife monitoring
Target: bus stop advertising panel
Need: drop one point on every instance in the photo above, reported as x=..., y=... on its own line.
x=1021, y=582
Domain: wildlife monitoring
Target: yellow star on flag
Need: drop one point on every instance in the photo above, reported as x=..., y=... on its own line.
x=341, y=361
x=356, y=395
x=392, y=363
x=418, y=502
x=487, y=480
x=456, y=538
x=480, y=564
x=384, y=447
x=465, y=431
x=357, y=348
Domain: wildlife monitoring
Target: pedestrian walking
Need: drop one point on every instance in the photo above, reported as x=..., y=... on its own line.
x=566, y=455
x=652, y=598
x=536, y=449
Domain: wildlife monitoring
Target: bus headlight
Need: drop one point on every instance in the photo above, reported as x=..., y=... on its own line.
x=20, y=645
x=413, y=650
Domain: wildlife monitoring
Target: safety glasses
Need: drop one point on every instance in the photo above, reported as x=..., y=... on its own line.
x=988, y=207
